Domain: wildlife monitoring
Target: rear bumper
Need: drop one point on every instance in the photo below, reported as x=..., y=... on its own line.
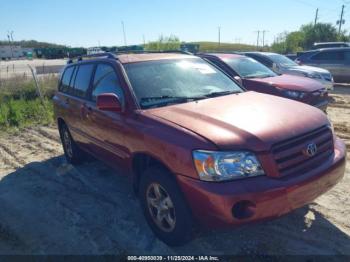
x=212, y=203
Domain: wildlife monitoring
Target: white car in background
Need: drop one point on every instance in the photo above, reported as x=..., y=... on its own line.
x=283, y=65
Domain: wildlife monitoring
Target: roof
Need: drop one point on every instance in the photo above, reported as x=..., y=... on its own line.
x=331, y=43
x=144, y=57
x=225, y=55
x=261, y=53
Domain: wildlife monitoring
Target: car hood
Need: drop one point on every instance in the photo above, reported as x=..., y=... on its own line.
x=308, y=69
x=248, y=121
x=290, y=82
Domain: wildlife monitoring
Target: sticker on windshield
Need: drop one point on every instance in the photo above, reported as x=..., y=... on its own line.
x=201, y=67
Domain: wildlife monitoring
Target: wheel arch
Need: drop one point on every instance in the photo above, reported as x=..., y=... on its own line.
x=142, y=160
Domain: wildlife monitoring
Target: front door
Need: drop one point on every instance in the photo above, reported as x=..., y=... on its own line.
x=105, y=129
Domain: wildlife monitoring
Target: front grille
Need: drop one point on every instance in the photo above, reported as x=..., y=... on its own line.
x=290, y=156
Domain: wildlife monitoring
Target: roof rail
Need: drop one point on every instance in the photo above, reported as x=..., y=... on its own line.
x=152, y=52
x=105, y=54
x=115, y=54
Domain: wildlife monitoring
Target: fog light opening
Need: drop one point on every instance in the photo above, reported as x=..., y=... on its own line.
x=243, y=209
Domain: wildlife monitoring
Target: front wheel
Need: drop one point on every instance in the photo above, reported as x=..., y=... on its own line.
x=165, y=208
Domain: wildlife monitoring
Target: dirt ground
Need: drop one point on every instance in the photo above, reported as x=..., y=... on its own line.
x=50, y=207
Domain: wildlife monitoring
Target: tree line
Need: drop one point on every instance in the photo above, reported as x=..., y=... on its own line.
x=306, y=36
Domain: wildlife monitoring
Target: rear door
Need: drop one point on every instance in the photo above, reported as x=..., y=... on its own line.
x=106, y=129
x=332, y=60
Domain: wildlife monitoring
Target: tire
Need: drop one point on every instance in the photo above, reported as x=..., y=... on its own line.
x=179, y=230
x=72, y=152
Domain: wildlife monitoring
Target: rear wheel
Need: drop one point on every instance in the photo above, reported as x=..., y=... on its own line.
x=165, y=208
x=72, y=152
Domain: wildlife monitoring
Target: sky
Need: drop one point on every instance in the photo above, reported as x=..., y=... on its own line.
x=99, y=22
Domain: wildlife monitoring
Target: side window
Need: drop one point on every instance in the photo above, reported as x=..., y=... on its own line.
x=230, y=71
x=82, y=80
x=263, y=61
x=106, y=81
x=328, y=56
x=66, y=79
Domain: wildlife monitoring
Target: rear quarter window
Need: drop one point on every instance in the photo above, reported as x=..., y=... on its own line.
x=66, y=80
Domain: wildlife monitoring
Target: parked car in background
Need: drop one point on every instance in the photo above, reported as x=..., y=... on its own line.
x=199, y=149
x=336, y=60
x=330, y=45
x=283, y=65
x=256, y=77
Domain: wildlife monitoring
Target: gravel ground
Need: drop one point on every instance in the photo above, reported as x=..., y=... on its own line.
x=50, y=207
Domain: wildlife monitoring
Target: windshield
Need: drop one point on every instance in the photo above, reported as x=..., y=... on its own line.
x=249, y=68
x=282, y=60
x=165, y=82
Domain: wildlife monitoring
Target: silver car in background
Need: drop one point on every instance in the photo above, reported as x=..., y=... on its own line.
x=336, y=60
x=283, y=65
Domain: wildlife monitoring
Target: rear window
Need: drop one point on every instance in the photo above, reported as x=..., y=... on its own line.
x=82, y=80
x=66, y=79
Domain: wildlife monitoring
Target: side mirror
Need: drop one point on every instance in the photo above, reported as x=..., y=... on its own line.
x=238, y=79
x=109, y=102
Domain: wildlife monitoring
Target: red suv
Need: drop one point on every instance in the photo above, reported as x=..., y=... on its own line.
x=199, y=149
x=257, y=77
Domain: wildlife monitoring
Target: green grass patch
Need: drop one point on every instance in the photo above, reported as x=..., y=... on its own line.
x=229, y=47
x=21, y=106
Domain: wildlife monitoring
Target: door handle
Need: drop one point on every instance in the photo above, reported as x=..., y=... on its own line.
x=86, y=111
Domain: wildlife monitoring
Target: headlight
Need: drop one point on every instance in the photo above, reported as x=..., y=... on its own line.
x=221, y=166
x=293, y=94
x=313, y=75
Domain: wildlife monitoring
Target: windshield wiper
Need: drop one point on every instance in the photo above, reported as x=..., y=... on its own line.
x=150, y=98
x=148, y=102
x=222, y=93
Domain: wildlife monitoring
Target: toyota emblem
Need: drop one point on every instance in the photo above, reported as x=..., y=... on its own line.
x=311, y=150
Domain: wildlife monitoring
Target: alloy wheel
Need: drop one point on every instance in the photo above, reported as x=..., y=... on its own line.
x=161, y=207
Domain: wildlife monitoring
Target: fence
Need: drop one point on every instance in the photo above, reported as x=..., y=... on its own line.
x=19, y=69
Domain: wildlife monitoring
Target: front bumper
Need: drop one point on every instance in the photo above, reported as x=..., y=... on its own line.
x=322, y=105
x=212, y=203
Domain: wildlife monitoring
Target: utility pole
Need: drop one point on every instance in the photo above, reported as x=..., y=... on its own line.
x=144, y=40
x=219, y=32
x=341, y=21
x=10, y=36
x=263, y=43
x=316, y=16
x=257, y=39
x=124, y=33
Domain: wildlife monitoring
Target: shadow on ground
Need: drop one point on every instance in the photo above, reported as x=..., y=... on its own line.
x=51, y=207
